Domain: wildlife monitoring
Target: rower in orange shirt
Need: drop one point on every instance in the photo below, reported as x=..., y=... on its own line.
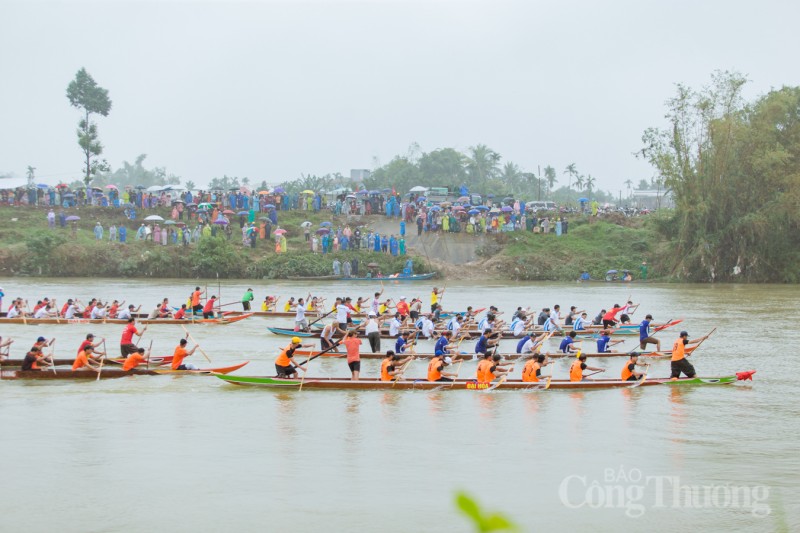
x=88, y=359
x=135, y=359
x=679, y=363
x=629, y=370
x=577, y=368
x=284, y=364
x=436, y=369
x=533, y=369
x=489, y=368
x=180, y=354
x=197, y=307
x=392, y=366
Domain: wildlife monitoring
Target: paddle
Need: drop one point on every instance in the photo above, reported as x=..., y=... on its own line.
x=323, y=352
x=399, y=375
x=643, y=378
x=197, y=343
x=320, y=318
x=102, y=359
x=148, y=354
x=51, y=357
x=140, y=336
x=593, y=373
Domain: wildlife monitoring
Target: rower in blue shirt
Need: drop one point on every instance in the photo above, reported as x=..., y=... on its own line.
x=402, y=343
x=442, y=346
x=485, y=342
x=644, y=334
x=568, y=343
x=603, y=342
x=580, y=323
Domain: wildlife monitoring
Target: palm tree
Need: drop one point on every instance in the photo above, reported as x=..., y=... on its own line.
x=482, y=164
x=629, y=184
x=579, y=180
x=189, y=185
x=590, y=181
x=550, y=176
x=570, y=171
x=512, y=176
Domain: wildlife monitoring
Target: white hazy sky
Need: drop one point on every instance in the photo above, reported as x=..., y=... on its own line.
x=272, y=89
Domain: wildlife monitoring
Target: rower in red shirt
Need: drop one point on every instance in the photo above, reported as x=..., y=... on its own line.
x=126, y=346
x=208, y=309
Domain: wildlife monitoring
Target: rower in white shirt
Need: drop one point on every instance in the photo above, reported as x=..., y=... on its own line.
x=394, y=326
x=426, y=326
x=98, y=312
x=45, y=311
x=517, y=327
x=125, y=314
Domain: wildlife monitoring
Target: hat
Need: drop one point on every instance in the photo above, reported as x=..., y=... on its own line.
x=41, y=339
x=684, y=334
x=295, y=340
x=402, y=297
x=90, y=335
x=448, y=360
x=372, y=314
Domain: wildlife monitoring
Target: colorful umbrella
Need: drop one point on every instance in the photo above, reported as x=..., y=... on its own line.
x=111, y=187
x=221, y=222
x=205, y=205
x=243, y=213
x=62, y=186
x=436, y=208
x=305, y=224
x=507, y=208
x=279, y=231
x=473, y=211
x=72, y=218
x=169, y=223
x=228, y=212
x=278, y=189
x=155, y=217
x=307, y=191
x=322, y=231
x=269, y=206
x=325, y=224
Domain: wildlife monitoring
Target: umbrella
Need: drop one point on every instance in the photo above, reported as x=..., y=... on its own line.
x=473, y=211
x=307, y=191
x=494, y=210
x=42, y=186
x=373, y=265
x=72, y=218
x=463, y=199
x=62, y=186
x=228, y=212
x=269, y=206
x=328, y=224
x=169, y=222
x=279, y=231
x=351, y=197
x=220, y=221
x=241, y=213
x=609, y=272
x=507, y=208
x=179, y=202
x=362, y=192
x=111, y=187
x=155, y=188
x=69, y=195
x=263, y=192
x=305, y=224
x=436, y=208
x=583, y=200
x=421, y=199
x=97, y=189
x=508, y=199
x=180, y=224
x=234, y=188
x=205, y=205
x=266, y=219
x=155, y=217
x=322, y=231
x=248, y=230
x=140, y=187
x=481, y=208
x=418, y=188
x=374, y=192
x=278, y=189
x=386, y=190
x=490, y=195
x=458, y=208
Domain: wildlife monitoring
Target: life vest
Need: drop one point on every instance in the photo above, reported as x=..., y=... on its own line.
x=575, y=371
x=626, y=373
x=385, y=376
x=284, y=359
x=678, y=350
x=433, y=369
x=529, y=372
x=484, y=373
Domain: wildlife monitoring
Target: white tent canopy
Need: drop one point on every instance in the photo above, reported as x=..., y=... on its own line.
x=418, y=188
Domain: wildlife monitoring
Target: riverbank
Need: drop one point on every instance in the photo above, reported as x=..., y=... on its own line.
x=29, y=248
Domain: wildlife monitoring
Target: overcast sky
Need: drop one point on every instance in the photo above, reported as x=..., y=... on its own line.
x=273, y=89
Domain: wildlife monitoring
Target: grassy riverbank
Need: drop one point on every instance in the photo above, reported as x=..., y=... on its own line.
x=29, y=248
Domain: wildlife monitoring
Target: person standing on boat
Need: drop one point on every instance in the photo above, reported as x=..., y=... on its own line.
x=644, y=334
x=341, y=316
x=126, y=345
x=246, y=299
x=679, y=363
x=300, y=322
x=373, y=330
x=436, y=294
x=532, y=371
x=403, y=309
x=353, y=345
x=436, y=369
x=577, y=368
x=629, y=370
x=180, y=354
x=208, y=309
x=630, y=307
x=284, y=364
x=197, y=307
x=392, y=366
x=610, y=318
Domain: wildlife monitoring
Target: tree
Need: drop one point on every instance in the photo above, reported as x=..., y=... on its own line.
x=482, y=165
x=443, y=167
x=579, y=181
x=511, y=176
x=628, y=184
x=137, y=174
x=571, y=171
x=550, y=177
x=84, y=94
x=31, y=176
x=224, y=183
x=590, y=182
x=189, y=184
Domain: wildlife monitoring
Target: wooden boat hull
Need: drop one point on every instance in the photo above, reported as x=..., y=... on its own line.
x=110, y=373
x=412, y=277
x=156, y=321
x=218, y=370
x=373, y=384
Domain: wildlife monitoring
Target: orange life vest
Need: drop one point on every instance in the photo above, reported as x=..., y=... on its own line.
x=678, y=350
x=284, y=359
x=485, y=374
x=433, y=369
x=626, y=373
x=529, y=372
x=133, y=361
x=575, y=371
x=385, y=375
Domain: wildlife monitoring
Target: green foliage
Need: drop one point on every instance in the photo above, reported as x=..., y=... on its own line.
x=216, y=256
x=40, y=246
x=734, y=169
x=84, y=93
x=136, y=174
x=482, y=520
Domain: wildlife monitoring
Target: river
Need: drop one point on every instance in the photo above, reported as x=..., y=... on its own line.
x=190, y=453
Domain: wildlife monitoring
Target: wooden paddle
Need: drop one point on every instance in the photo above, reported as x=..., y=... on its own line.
x=320, y=318
x=102, y=359
x=323, y=352
x=148, y=353
x=197, y=343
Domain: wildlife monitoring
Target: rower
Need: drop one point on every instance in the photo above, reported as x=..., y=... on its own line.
x=626, y=311
x=114, y=309
x=126, y=345
x=568, y=343
x=572, y=316
x=629, y=370
x=284, y=364
x=353, y=345
x=544, y=315
x=517, y=326
x=43, y=343
x=392, y=366
x=134, y=360
x=679, y=363
x=486, y=341
x=155, y=314
x=90, y=342
x=425, y=326
x=403, y=309
x=530, y=342
x=644, y=334
x=532, y=371
x=165, y=311
x=208, y=309
x=415, y=309
x=580, y=323
x=300, y=322
x=289, y=306
x=489, y=368
x=341, y=316
x=372, y=328
x=45, y=311
x=577, y=368
x=443, y=345
x=125, y=314
x=376, y=303
x=435, y=295
x=394, y=325
x=552, y=322
x=610, y=318
x=326, y=337
x=5, y=344
x=33, y=359
x=88, y=359
x=598, y=319
x=403, y=343
x=454, y=325
x=180, y=354
x=180, y=314
x=436, y=369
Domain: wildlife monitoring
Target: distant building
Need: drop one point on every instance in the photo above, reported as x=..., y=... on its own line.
x=653, y=199
x=359, y=174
